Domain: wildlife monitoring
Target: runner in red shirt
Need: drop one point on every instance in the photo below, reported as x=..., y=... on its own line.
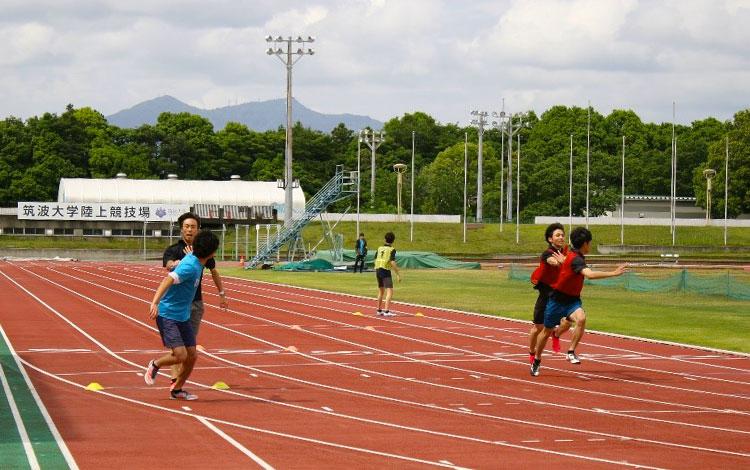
x=565, y=301
x=543, y=277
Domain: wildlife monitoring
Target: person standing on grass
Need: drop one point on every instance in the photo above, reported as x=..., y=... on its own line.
x=543, y=277
x=565, y=300
x=385, y=262
x=171, y=307
x=360, y=248
x=189, y=225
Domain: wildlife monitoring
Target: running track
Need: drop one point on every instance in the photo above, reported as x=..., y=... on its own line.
x=315, y=385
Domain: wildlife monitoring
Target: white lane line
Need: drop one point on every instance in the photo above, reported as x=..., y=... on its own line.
x=187, y=408
x=276, y=433
x=348, y=342
x=43, y=409
x=531, y=441
x=261, y=463
x=325, y=408
x=219, y=326
x=465, y=409
x=430, y=343
x=563, y=440
x=27, y=447
x=289, y=292
x=484, y=404
x=354, y=418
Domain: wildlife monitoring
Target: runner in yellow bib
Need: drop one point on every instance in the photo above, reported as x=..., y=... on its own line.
x=385, y=261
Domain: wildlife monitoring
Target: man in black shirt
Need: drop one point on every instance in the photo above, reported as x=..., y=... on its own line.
x=190, y=224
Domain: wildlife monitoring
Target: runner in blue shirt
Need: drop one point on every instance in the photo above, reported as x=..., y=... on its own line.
x=171, y=309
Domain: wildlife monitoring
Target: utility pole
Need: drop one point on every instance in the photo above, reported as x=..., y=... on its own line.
x=373, y=140
x=505, y=124
x=288, y=58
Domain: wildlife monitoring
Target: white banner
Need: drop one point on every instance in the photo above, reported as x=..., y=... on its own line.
x=100, y=211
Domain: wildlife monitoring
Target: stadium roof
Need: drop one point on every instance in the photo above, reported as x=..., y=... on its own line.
x=175, y=191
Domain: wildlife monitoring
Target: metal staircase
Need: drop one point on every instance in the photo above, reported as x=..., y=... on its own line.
x=342, y=185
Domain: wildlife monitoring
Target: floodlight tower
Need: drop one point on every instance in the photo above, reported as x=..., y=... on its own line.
x=709, y=174
x=480, y=120
x=288, y=58
x=508, y=128
x=373, y=140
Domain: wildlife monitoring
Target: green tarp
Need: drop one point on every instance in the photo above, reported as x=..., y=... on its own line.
x=405, y=259
x=308, y=265
x=408, y=259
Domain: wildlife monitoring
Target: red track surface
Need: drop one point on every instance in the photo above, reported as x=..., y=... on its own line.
x=443, y=389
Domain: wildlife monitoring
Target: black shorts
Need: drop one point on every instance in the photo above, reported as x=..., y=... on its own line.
x=175, y=333
x=541, y=302
x=384, y=278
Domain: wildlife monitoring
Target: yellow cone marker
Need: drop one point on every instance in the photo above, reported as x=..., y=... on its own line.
x=291, y=349
x=220, y=386
x=94, y=387
x=200, y=348
x=419, y=314
x=359, y=314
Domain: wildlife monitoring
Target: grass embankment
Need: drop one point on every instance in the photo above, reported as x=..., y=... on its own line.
x=684, y=318
x=482, y=241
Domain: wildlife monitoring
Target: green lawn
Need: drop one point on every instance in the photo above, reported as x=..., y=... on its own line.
x=484, y=240
x=685, y=318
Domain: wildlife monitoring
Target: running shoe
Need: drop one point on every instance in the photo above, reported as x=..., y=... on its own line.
x=571, y=356
x=555, y=342
x=182, y=395
x=380, y=313
x=535, y=367
x=151, y=371
x=388, y=314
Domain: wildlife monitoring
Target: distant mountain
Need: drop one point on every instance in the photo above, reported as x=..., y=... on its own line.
x=258, y=115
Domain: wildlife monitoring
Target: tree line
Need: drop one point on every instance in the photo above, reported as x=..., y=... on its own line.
x=36, y=153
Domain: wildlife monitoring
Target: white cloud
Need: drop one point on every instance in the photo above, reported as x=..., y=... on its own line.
x=381, y=57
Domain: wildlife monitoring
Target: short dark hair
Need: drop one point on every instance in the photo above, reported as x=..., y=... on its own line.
x=188, y=215
x=579, y=236
x=361, y=234
x=551, y=229
x=205, y=244
x=390, y=237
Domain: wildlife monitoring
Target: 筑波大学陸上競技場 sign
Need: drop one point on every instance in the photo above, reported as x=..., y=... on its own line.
x=100, y=211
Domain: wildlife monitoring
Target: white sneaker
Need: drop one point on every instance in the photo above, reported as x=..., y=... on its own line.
x=571, y=356
x=388, y=314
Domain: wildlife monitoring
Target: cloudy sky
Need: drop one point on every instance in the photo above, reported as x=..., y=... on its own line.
x=381, y=58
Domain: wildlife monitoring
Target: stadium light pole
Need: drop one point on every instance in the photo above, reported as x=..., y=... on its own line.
x=359, y=176
x=505, y=123
x=373, y=140
x=480, y=120
x=726, y=189
x=288, y=58
x=622, y=196
x=570, y=188
x=500, y=125
x=466, y=165
x=673, y=203
x=413, y=175
x=518, y=192
x=588, y=160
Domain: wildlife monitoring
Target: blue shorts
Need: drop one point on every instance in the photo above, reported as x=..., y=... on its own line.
x=175, y=333
x=556, y=311
x=384, y=278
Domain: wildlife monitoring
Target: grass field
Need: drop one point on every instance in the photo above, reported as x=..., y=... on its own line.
x=685, y=318
x=484, y=240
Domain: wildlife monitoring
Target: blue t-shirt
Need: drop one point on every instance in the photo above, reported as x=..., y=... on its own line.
x=175, y=304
